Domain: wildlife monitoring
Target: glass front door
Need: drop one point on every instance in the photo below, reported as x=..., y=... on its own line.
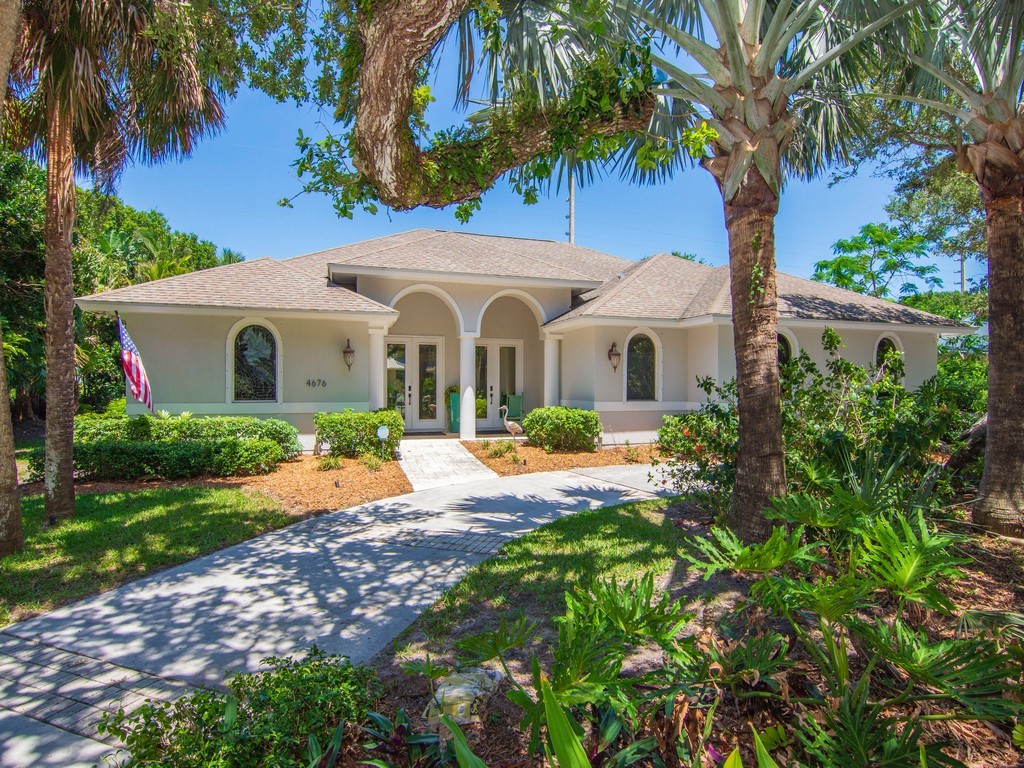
x=499, y=381
x=412, y=381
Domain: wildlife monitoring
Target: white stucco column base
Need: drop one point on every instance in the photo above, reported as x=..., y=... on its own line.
x=467, y=387
x=378, y=369
x=552, y=374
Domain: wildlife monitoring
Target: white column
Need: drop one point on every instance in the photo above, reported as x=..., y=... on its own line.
x=467, y=387
x=552, y=378
x=378, y=368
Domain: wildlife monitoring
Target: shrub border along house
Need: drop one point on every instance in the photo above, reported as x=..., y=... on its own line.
x=558, y=428
x=121, y=448
x=354, y=433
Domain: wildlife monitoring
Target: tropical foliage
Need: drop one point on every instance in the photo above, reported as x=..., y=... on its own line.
x=114, y=245
x=880, y=262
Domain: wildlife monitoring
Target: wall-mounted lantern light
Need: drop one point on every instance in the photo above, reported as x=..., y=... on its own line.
x=348, y=354
x=615, y=356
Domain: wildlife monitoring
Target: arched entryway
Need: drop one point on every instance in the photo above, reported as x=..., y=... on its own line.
x=421, y=359
x=508, y=360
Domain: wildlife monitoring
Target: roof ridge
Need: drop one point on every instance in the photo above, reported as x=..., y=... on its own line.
x=428, y=233
x=534, y=259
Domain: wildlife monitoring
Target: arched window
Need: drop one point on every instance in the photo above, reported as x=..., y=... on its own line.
x=640, y=368
x=883, y=349
x=255, y=364
x=785, y=350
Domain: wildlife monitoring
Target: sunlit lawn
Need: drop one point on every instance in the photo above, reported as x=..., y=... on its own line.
x=624, y=542
x=118, y=537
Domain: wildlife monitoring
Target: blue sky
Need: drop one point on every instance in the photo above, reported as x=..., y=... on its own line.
x=228, y=192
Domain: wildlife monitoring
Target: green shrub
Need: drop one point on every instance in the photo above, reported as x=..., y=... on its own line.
x=500, y=448
x=246, y=457
x=328, y=463
x=137, y=459
x=557, y=428
x=178, y=429
x=264, y=719
x=371, y=461
x=829, y=417
x=353, y=433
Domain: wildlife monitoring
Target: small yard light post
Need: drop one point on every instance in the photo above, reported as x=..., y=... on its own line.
x=382, y=435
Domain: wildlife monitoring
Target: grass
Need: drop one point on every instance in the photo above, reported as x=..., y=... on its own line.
x=115, y=538
x=22, y=448
x=625, y=541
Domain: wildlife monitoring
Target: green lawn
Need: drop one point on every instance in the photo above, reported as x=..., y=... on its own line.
x=115, y=538
x=22, y=448
x=625, y=541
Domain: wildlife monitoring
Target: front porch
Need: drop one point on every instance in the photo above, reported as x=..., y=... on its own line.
x=428, y=353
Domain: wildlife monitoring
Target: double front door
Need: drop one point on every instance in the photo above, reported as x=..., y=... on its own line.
x=414, y=373
x=498, y=376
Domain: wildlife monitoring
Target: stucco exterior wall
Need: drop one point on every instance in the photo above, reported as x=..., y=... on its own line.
x=920, y=349
x=468, y=300
x=187, y=360
x=578, y=362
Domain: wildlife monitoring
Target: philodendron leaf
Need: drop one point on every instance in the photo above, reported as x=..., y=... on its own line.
x=764, y=760
x=463, y=753
x=568, y=750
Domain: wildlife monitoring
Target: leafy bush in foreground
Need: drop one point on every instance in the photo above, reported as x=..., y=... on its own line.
x=557, y=428
x=265, y=719
x=354, y=433
x=828, y=418
x=834, y=654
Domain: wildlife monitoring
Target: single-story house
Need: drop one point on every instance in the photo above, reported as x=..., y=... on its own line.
x=399, y=320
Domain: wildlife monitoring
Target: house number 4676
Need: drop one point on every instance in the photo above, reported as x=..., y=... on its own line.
x=316, y=383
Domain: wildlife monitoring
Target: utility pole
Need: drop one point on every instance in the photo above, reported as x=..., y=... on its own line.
x=963, y=273
x=572, y=207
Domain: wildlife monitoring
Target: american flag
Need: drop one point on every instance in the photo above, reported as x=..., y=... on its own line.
x=131, y=361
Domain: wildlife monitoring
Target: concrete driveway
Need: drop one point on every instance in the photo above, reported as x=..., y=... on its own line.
x=349, y=582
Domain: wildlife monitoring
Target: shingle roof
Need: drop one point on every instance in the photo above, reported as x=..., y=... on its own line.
x=461, y=253
x=263, y=283
x=666, y=287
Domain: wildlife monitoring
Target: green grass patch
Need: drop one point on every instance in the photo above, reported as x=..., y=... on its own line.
x=115, y=538
x=625, y=541
x=23, y=448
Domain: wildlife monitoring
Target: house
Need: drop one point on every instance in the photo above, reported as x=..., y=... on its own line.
x=398, y=320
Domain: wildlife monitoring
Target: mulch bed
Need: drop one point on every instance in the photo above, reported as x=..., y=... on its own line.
x=300, y=487
x=993, y=581
x=533, y=459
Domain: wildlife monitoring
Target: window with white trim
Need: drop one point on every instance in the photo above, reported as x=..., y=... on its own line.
x=641, y=368
x=255, y=364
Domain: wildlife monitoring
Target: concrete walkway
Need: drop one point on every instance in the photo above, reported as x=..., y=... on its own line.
x=436, y=463
x=348, y=582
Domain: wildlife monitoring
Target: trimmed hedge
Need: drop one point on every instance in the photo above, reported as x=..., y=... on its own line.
x=202, y=429
x=353, y=433
x=557, y=428
x=137, y=459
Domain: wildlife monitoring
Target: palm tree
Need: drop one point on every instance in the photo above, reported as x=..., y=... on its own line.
x=971, y=68
x=11, y=537
x=772, y=80
x=95, y=82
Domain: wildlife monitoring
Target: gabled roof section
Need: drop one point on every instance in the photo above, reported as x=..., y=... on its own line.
x=262, y=284
x=461, y=253
x=668, y=288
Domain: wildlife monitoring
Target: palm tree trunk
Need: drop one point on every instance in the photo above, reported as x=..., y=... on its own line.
x=760, y=462
x=1001, y=506
x=11, y=537
x=59, y=298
